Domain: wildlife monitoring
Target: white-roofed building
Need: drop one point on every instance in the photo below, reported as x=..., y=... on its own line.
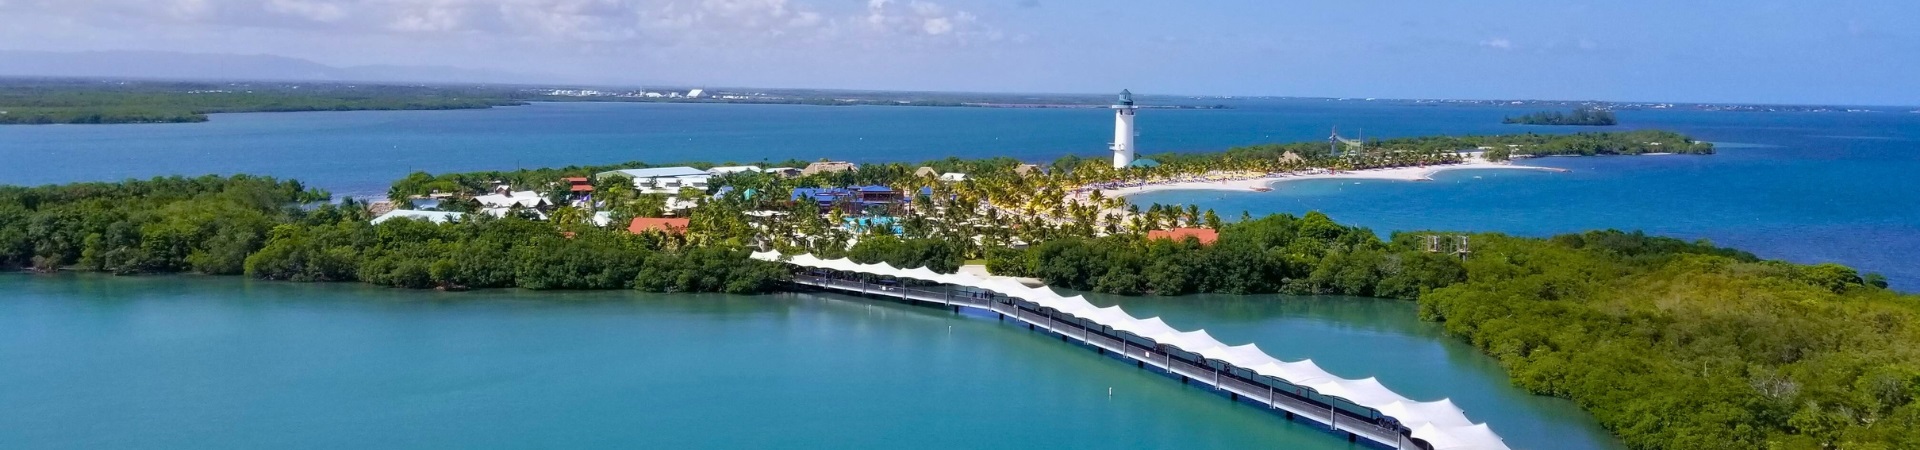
x=953, y=177
x=429, y=216
x=663, y=180
x=723, y=170
x=523, y=199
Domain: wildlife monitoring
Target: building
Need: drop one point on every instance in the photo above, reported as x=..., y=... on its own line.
x=727, y=170
x=1206, y=236
x=696, y=93
x=1027, y=170
x=1123, y=132
x=925, y=172
x=428, y=216
x=953, y=177
x=664, y=225
x=663, y=180
x=578, y=185
x=522, y=199
x=851, y=200
x=788, y=172
x=829, y=167
x=498, y=205
x=1143, y=163
x=879, y=194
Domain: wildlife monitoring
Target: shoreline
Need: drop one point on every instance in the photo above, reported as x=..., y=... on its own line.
x=1273, y=180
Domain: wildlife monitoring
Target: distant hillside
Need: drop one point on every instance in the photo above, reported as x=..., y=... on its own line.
x=207, y=66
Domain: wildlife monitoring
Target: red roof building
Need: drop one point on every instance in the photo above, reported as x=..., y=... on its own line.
x=578, y=184
x=670, y=226
x=1207, y=236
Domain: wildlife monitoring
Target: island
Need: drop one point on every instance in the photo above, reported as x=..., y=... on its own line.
x=1589, y=117
x=92, y=102
x=1669, y=343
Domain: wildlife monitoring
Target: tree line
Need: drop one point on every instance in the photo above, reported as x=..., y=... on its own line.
x=72, y=102
x=1592, y=117
x=278, y=230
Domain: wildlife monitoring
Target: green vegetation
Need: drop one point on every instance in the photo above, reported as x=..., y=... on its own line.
x=54, y=102
x=1591, y=117
x=1497, y=147
x=270, y=229
x=498, y=253
x=206, y=225
x=1281, y=253
x=1672, y=345
x=1680, y=346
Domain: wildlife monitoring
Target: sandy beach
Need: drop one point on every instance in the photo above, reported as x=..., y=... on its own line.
x=1269, y=181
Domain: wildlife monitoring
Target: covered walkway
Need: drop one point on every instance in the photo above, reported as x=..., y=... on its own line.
x=1359, y=408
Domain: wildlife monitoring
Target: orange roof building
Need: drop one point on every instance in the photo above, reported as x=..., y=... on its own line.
x=1207, y=236
x=578, y=184
x=668, y=225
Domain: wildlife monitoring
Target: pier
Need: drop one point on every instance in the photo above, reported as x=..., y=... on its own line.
x=1359, y=410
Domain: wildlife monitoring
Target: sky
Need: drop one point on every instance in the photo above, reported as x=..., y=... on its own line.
x=1752, y=51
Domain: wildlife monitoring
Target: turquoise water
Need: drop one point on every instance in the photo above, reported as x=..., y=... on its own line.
x=214, y=363
x=1362, y=337
x=1808, y=187
x=1802, y=187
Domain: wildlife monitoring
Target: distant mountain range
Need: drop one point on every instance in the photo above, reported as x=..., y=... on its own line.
x=208, y=66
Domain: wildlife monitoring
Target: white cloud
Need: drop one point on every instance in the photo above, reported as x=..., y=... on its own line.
x=922, y=19
x=1497, y=43
x=315, y=11
x=937, y=26
x=668, y=22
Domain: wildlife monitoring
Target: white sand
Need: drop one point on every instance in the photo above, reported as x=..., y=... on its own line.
x=1252, y=184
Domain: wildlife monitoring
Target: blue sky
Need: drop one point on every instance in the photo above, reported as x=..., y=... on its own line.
x=1851, y=52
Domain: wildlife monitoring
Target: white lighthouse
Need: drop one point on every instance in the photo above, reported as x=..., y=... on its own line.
x=1123, y=130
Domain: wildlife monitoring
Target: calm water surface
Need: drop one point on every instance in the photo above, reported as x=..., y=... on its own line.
x=181, y=362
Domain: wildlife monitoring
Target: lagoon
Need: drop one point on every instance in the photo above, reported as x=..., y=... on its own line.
x=172, y=362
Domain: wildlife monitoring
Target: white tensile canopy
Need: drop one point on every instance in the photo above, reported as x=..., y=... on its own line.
x=1439, y=423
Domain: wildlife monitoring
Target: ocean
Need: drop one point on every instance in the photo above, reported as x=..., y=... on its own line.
x=1805, y=187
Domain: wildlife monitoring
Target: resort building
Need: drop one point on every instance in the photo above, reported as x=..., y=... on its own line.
x=929, y=172
x=784, y=171
x=1027, y=170
x=829, y=167
x=1206, y=236
x=725, y=170
x=498, y=205
x=522, y=199
x=428, y=216
x=664, y=225
x=663, y=180
x=852, y=200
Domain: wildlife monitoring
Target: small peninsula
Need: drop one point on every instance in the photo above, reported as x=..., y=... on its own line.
x=1586, y=117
